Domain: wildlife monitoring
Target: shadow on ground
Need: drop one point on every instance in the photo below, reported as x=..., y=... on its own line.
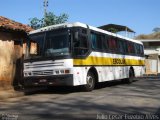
x=71, y=89
x=85, y=105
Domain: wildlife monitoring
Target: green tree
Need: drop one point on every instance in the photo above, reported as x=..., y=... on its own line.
x=157, y=29
x=49, y=19
x=35, y=23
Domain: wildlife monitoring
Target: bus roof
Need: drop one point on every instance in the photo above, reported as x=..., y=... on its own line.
x=78, y=24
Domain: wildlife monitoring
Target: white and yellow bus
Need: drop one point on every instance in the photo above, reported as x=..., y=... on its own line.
x=76, y=54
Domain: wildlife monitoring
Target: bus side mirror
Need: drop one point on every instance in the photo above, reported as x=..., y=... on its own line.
x=76, y=36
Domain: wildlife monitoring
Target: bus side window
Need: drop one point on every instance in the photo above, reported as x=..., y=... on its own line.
x=96, y=40
x=121, y=47
x=135, y=49
x=125, y=46
x=112, y=43
x=100, y=39
x=105, y=43
x=138, y=51
x=141, y=50
x=131, y=49
x=81, y=46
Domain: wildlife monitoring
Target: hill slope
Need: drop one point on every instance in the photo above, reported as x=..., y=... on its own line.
x=155, y=35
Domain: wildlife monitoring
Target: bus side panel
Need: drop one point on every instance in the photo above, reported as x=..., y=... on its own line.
x=105, y=73
x=79, y=75
x=139, y=71
x=112, y=73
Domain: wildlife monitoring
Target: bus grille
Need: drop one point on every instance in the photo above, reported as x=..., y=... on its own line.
x=42, y=65
x=44, y=72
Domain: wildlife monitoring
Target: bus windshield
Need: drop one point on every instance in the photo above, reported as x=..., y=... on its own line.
x=49, y=44
x=56, y=45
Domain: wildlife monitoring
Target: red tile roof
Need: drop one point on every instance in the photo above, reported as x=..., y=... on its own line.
x=13, y=25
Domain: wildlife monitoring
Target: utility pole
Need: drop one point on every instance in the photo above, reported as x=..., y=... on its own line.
x=45, y=4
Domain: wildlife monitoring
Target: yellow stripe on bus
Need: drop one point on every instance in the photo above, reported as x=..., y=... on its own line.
x=106, y=61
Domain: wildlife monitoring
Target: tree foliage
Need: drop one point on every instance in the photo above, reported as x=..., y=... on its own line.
x=157, y=29
x=49, y=19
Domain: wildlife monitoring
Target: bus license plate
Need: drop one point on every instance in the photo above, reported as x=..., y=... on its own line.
x=43, y=80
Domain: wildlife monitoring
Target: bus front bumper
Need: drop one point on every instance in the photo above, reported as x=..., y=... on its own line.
x=55, y=80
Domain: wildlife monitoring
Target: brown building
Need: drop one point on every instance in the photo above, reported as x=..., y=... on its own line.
x=13, y=37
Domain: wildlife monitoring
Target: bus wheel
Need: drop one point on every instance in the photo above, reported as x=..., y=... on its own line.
x=131, y=76
x=90, y=80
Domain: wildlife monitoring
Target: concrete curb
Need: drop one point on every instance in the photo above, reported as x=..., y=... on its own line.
x=5, y=94
x=151, y=76
x=11, y=93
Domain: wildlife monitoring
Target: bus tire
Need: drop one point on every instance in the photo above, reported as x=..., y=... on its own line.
x=131, y=76
x=90, y=80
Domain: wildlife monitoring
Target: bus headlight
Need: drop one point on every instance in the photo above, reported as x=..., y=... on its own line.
x=66, y=71
x=57, y=72
x=62, y=71
x=27, y=74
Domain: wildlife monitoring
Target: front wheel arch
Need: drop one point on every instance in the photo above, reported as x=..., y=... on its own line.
x=94, y=71
x=91, y=80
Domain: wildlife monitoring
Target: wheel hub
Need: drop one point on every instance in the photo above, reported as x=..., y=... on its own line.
x=89, y=81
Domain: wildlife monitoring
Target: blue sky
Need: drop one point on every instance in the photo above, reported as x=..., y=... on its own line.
x=140, y=15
